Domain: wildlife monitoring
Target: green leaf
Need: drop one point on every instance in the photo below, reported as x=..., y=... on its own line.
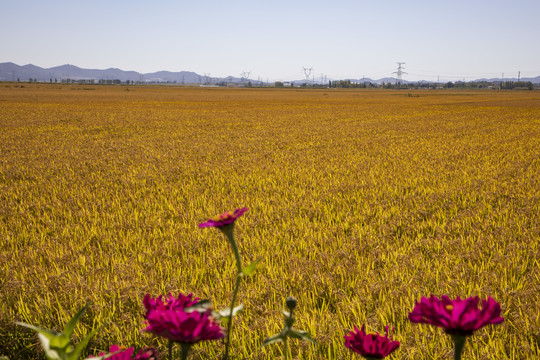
x=49, y=353
x=48, y=333
x=51, y=341
x=225, y=313
x=302, y=335
x=272, y=340
x=70, y=326
x=224, y=321
x=286, y=313
x=75, y=354
x=59, y=342
x=250, y=269
x=201, y=306
x=57, y=346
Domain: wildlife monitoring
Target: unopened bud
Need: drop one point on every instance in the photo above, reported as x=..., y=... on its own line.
x=291, y=303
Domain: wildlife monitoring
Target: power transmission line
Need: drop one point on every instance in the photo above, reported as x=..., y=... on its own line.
x=307, y=72
x=244, y=75
x=399, y=72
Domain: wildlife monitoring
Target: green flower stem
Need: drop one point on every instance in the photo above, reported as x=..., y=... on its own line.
x=285, y=348
x=230, y=236
x=229, y=325
x=459, y=342
x=170, y=349
x=229, y=233
x=288, y=325
x=185, y=350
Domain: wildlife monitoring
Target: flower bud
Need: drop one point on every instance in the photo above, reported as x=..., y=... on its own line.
x=291, y=303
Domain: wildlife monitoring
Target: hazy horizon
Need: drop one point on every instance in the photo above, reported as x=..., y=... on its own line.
x=273, y=41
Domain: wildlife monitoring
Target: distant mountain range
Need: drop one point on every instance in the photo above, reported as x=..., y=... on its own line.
x=13, y=72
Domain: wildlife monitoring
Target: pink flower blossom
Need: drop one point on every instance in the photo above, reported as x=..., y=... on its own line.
x=456, y=317
x=125, y=353
x=147, y=354
x=224, y=219
x=183, y=327
x=172, y=303
x=370, y=346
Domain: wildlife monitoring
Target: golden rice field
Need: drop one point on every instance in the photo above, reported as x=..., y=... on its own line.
x=360, y=202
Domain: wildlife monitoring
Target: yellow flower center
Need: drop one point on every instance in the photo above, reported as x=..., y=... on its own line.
x=223, y=216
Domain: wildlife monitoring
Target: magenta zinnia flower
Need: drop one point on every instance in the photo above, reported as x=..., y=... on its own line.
x=125, y=354
x=172, y=303
x=370, y=346
x=147, y=354
x=224, y=219
x=456, y=317
x=183, y=327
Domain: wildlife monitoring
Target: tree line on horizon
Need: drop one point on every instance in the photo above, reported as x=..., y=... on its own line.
x=345, y=84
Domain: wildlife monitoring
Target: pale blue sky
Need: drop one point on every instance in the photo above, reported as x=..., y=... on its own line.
x=459, y=39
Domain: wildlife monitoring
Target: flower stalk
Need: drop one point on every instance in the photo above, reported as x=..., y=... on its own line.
x=228, y=230
x=184, y=347
x=459, y=345
x=225, y=223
